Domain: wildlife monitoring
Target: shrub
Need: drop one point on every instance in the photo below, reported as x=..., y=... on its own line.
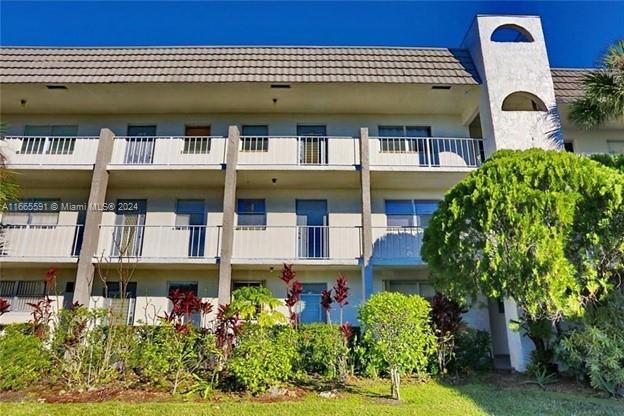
x=472, y=351
x=322, y=350
x=398, y=333
x=594, y=351
x=23, y=359
x=446, y=320
x=263, y=357
x=257, y=304
x=169, y=359
x=613, y=161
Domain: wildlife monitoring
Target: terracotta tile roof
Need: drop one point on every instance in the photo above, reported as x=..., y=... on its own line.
x=237, y=64
x=568, y=83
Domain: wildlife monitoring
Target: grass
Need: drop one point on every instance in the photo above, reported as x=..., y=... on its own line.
x=361, y=399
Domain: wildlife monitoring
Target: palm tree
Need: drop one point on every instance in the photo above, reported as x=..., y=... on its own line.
x=603, y=91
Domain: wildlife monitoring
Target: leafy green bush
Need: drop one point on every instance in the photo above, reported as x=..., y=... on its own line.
x=472, y=351
x=322, y=349
x=398, y=334
x=23, y=359
x=165, y=358
x=257, y=304
x=610, y=160
x=263, y=357
x=595, y=350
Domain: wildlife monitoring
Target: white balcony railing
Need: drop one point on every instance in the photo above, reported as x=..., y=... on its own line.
x=20, y=304
x=397, y=245
x=426, y=152
x=297, y=242
x=159, y=242
x=40, y=241
x=51, y=150
x=298, y=151
x=169, y=150
x=122, y=309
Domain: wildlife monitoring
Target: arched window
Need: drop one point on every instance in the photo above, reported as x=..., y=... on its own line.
x=511, y=33
x=523, y=101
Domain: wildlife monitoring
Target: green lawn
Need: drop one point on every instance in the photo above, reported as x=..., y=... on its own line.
x=362, y=399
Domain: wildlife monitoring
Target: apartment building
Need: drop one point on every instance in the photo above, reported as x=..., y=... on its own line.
x=207, y=168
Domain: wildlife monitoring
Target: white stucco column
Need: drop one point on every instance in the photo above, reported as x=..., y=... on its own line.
x=520, y=346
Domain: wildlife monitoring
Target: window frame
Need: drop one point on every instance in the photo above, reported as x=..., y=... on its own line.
x=50, y=142
x=171, y=283
x=620, y=143
x=406, y=143
x=246, y=214
x=414, y=217
x=419, y=284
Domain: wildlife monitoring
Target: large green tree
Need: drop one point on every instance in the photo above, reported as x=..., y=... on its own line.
x=603, y=91
x=542, y=227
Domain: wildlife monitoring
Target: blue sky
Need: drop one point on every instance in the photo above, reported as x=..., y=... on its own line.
x=576, y=32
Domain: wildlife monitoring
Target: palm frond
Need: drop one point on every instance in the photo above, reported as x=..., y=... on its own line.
x=603, y=91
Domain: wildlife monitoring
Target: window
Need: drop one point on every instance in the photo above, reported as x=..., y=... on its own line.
x=523, y=101
x=402, y=139
x=409, y=213
x=251, y=212
x=255, y=138
x=511, y=33
x=189, y=212
x=568, y=146
x=49, y=140
x=183, y=287
x=112, y=290
x=196, y=140
x=38, y=213
x=616, y=146
x=411, y=287
x=22, y=288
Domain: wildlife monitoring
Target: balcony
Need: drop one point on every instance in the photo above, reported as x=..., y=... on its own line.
x=287, y=152
x=159, y=243
x=397, y=246
x=30, y=152
x=425, y=153
x=297, y=244
x=42, y=243
x=169, y=151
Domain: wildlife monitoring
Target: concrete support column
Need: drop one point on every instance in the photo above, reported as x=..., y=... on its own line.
x=520, y=346
x=367, y=230
x=93, y=219
x=229, y=202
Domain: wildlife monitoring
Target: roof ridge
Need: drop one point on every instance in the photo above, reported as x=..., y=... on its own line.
x=233, y=47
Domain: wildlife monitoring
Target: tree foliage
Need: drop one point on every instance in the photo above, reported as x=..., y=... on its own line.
x=613, y=161
x=397, y=327
x=603, y=91
x=542, y=227
x=593, y=350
